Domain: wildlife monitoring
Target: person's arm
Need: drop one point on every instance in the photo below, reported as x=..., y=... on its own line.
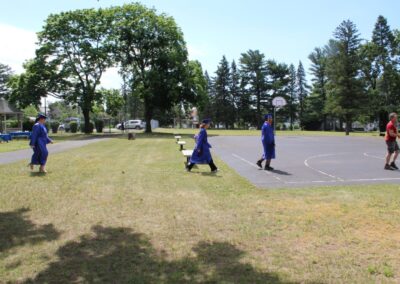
x=392, y=132
x=200, y=142
x=34, y=136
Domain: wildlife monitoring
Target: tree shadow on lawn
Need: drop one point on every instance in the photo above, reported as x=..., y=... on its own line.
x=17, y=230
x=118, y=255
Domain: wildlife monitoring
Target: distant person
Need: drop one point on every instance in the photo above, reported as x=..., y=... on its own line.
x=268, y=142
x=392, y=146
x=201, y=153
x=38, y=142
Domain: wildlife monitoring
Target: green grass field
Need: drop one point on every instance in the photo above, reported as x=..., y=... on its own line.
x=124, y=211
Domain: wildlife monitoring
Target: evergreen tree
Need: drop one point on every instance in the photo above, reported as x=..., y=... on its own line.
x=318, y=60
x=346, y=95
x=235, y=89
x=292, y=93
x=209, y=107
x=302, y=89
x=387, y=91
x=223, y=99
x=278, y=82
x=253, y=68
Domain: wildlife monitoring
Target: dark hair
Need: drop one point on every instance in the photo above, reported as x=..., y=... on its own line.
x=392, y=115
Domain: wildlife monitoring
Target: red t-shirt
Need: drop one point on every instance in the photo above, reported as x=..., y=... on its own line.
x=390, y=126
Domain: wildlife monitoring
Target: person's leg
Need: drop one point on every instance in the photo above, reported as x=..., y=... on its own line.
x=390, y=152
x=395, y=155
x=260, y=161
x=388, y=157
x=213, y=167
x=189, y=166
x=268, y=165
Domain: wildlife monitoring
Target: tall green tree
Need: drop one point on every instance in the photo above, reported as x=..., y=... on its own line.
x=346, y=97
x=253, y=68
x=224, y=112
x=278, y=82
x=34, y=83
x=292, y=94
x=114, y=101
x=152, y=49
x=302, y=89
x=208, y=110
x=235, y=90
x=319, y=80
x=387, y=91
x=78, y=47
x=5, y=75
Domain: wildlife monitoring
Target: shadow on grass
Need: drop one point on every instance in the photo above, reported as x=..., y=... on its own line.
x=118, y=255
x=17, y=230
x=38, y=174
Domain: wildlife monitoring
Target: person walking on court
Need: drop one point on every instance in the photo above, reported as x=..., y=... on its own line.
x=268, y=142
x=201, y=153
x=392, y=146
x=38, y=142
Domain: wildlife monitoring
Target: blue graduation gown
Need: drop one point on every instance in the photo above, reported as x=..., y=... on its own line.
x=268, y=141
x=39, y=139
x=204, y=157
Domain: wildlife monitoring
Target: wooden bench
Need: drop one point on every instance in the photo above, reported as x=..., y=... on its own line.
x=187, y=154
x=178, y=137
x=181, y=144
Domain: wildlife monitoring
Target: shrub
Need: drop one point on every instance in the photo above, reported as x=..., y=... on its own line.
x=99, y=125
x=54, y=126
x=73, y=126
x=91, y=127
x=13, y=123
x=27, y=125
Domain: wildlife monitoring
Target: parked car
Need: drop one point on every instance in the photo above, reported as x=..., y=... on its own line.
x=133, y=124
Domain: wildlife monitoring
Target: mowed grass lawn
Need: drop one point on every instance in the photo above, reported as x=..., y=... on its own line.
x=124, y=211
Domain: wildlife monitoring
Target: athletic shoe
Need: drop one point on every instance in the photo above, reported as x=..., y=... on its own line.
x=259, y=164
x=268, y=168
x=389, y=168
x=393, y=165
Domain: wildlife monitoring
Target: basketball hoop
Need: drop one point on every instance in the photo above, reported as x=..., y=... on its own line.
x=279, y=102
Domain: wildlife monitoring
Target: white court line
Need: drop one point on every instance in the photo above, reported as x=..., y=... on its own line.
x=372, y=156
x=255, y=166
x=336, y=179
x=319, y=171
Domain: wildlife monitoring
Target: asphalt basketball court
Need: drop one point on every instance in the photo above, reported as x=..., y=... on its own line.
x=308, y=161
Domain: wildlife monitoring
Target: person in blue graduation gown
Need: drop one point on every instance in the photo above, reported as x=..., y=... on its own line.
x=201, y=153
x=38, y=142
x=268, y=142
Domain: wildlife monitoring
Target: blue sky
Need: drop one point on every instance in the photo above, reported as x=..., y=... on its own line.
x=285, y=30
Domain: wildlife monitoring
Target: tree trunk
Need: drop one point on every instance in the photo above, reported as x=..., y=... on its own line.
x=148, y=116
x=348, y=125
x=86, y=116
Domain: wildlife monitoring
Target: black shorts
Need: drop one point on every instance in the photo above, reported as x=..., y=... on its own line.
x=392, y=146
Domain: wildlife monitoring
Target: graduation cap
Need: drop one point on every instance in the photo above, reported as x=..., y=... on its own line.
x=268, y=116
x=40, y=116
x=206, y=121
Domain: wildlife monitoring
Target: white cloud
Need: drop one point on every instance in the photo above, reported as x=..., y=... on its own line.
x=17, y=45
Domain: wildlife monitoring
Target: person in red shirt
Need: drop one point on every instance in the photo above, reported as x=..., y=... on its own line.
x=392, y=146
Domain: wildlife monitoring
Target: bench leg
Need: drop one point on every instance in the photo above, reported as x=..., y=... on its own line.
x=181, y=147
